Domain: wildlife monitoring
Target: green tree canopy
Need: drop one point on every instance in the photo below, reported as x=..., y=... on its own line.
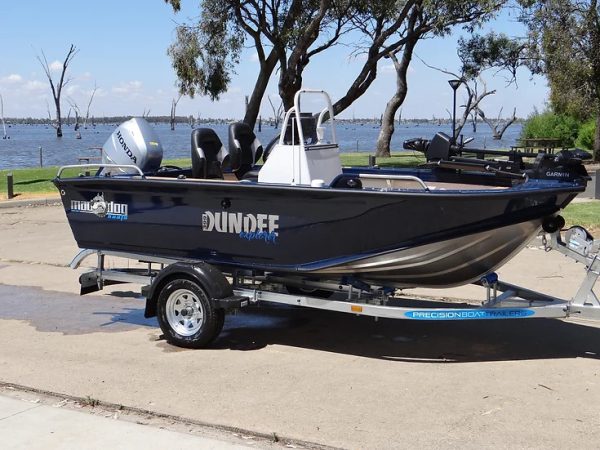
x=564, y=42
x=287, y=34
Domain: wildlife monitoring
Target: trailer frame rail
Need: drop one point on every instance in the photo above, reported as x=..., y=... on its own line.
x=502, y=300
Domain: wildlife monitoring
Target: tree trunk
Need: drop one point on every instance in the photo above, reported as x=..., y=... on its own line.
x=597, y=138
x=172, y=119
x=59, y=132
x=387, y=120
x=266, y=69
x=287, y=92
x=387, y=125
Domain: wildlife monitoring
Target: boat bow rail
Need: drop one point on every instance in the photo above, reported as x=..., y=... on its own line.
x=127, y=167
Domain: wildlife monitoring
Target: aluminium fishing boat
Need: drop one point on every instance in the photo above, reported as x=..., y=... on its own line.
x=302, y=213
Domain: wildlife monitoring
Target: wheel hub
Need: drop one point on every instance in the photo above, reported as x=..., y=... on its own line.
x=185, y=313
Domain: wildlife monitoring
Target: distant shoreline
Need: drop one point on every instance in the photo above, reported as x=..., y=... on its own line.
x=10, y=121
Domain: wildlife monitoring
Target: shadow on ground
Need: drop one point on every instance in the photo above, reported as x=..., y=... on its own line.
x=257, y=327
x=415, y=341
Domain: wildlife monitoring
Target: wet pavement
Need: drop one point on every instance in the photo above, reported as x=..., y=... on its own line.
x=331, y=378
x=257, y=327
x=74, y=314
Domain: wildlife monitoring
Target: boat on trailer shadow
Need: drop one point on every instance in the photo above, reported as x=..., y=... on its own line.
x=299, y=221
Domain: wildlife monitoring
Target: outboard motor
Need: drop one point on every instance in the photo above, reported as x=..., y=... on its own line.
x=134, y=142
x=439, y=148
x=418, y=144
x=562, y=166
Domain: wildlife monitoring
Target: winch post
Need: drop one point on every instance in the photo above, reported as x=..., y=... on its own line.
x=585, y=294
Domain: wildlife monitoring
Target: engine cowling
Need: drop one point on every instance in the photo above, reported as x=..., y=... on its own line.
x=134, y=142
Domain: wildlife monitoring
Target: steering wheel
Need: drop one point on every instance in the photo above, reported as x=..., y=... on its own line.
x=269, y=147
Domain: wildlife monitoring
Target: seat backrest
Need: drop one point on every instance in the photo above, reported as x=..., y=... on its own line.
x=208, y=154
x=244, y=148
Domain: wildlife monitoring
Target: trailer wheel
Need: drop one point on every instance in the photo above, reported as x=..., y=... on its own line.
x=186, y=315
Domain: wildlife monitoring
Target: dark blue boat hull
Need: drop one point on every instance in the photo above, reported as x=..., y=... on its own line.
x=397, y=237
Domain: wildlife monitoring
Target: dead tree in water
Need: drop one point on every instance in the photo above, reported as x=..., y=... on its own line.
x=498, y=126
x=277, y=113
x=58, y=87
x=474, y=121
x=75, y=109
x=4, y=136
x=89, y=105
x=173, y=109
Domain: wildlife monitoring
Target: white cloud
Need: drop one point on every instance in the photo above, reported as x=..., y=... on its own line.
x=390, y=69
x=35, y=86
x=129, y=87
x=85, y=76
x=72, y=89
x=13, y=78
x=99, y=93
x=55, y=66
x=234, y=90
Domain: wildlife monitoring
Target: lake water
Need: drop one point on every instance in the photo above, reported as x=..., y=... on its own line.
x=22, y=149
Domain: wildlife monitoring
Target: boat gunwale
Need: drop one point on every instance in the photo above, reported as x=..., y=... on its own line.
x=524, y=189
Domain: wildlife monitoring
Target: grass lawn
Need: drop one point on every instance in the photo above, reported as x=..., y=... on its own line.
x=39, y=180
x=586, y=214
x=34, y=181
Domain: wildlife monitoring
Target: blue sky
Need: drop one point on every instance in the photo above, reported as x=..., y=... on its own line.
x=123, y=50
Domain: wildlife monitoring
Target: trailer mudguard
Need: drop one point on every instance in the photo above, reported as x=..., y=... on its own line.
x=208, y=277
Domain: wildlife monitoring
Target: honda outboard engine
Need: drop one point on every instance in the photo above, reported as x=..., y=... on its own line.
x=133, y=143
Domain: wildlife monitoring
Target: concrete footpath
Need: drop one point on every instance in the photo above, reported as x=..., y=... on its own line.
x=305, y=378
x=30, y=424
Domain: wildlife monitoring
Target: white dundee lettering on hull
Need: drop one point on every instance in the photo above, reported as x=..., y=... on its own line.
x=237, y=223
x=251, y=227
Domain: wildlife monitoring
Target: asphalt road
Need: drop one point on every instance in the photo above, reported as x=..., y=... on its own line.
x=329, y=378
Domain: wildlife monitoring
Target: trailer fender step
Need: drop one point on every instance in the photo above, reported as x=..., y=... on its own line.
x=232, y=302
x=89, y=283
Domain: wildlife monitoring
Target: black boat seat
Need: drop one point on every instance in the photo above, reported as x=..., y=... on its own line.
x=244, y=148
x=346, y=181
x=208, y=154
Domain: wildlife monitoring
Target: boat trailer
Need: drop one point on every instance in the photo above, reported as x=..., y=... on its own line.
x=190, y=298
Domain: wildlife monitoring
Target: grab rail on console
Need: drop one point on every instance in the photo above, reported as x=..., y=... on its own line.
x=373, y=176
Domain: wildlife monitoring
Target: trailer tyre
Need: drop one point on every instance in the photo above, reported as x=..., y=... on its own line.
x=186, y=315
